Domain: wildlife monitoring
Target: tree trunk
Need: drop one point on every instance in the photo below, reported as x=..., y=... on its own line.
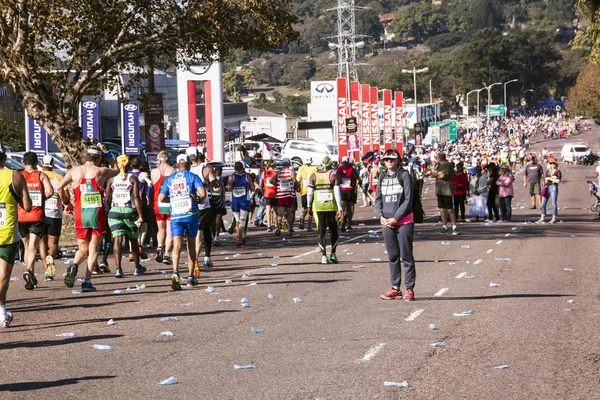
x=66, y=133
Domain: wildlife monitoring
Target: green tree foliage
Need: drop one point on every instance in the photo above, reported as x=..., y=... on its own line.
x=367, y=23
x=591, y=10
x=420, y=21
x=584, y=97
x=11, y=134
x=297, y=73
x=295, y=106
x=235, y=81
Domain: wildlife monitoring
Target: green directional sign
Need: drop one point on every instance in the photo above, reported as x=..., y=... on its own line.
x=453, y=127
x=495, y=110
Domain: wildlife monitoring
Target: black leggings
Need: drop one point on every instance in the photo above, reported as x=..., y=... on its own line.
x=459, y=201
x=325, y=219
x=207, y=234
x=492, y=207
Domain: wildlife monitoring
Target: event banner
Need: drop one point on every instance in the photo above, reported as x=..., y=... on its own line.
x=399, y=120
x=90, y=119
x=37, y=138
x=342, y=114
x=353, y=142
x=154, y=129
x=375, y=120
x=130, y=116
x=365, y=91
x=387, y=119
x=155, y=136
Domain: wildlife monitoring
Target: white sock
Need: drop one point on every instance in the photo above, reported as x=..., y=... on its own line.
x=206, y=258
x=453, y=227
x=3, y=313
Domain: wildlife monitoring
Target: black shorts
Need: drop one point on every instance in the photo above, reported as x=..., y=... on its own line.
x=445, y=202
x=347, y=195
x=25, y=228
x=207, y=217
x=217, y=203
x=148, y=215
x=304, y=201
x=52, y=226
x=270, y=202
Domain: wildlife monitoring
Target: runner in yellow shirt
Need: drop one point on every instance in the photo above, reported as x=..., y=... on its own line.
x=303, y=178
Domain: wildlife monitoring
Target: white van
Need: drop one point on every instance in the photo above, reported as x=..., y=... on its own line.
x=300, y=149
x=571, y=152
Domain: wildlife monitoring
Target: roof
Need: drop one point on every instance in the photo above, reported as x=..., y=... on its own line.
x=257, y=112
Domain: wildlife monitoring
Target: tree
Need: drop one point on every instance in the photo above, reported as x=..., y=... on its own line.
x=420, y=21
x=297, y=72
x=235, y=81
x=55, y=52
x=591, y=10
x=584, y=97
x=295, y=106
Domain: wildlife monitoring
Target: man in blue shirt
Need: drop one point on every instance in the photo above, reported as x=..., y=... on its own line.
x=185, y=190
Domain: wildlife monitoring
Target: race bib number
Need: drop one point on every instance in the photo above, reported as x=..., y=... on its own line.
x=51, y=203
x=91, y=200
x=36, y=197
x=286, y=185
x=181, y=205
x=179, y=187
x=2, y=214
x=121, y=197
x=346, y=183
x=239, y=191
x=305, y=182
x=324, y=196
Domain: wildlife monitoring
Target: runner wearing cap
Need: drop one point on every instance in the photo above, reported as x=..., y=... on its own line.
x=303, y=179
x=286, y=194
x=90, y=216
x=348, y=177
x=269, y=189
x=31, y=223
x=53, y=214
x=13, y=194
x=240, y=184
x=161, y=211
x=184, y=190
x=122, y=195
x=327, y=203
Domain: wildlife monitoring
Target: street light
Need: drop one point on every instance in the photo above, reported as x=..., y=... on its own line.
x=490, y=98
x=415, y=71
x=505, y=102
x=472, y=91
x=344, y=46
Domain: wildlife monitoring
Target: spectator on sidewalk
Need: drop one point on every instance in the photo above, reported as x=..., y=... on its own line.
x=505, y=192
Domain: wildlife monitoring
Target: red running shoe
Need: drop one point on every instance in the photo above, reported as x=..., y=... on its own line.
x=409, y=295
x=392, y=294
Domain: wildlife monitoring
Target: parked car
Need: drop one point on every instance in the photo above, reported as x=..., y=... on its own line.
x=299, y=150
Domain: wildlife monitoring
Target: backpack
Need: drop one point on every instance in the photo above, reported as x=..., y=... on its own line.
x=417, y=205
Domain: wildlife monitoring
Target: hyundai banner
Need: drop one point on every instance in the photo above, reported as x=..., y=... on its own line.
x=37, y=138
x=342, y=114
x=90, y=119
x=366, y=118
x=130, y=115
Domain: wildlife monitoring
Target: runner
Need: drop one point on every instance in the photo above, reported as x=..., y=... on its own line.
x=240, y=185
x=286, y=194
x=122, y=194
x=270, y=191
x=206, y=212
x=303, y=179
x=31, y=223
x=161, y=211
x=217, y=201
x=349, y=177
x=90, y=216
x=53, y=214
x=185, y=191
x=145, y=190
x=327, y=203
x=13, y=194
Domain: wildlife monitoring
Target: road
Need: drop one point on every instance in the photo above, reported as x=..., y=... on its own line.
x=341, y=341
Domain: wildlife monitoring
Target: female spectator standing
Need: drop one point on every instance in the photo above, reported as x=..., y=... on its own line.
x=460, y=180
x=553, y=178
x=492, y=192
x=393, y=206
x=505, y=192
x=479, y=189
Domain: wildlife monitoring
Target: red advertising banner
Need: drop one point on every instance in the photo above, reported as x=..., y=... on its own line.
x=375, y=120
x=387, y=119
x=399, y=120
x=342, y=109
x=353, y=141
x=365, y=118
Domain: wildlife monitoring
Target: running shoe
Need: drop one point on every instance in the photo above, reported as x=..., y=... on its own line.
x=216, y=241
x=51, y=270
x=392, y=294
x=119, y=273
x=343, y=227
x=278, y=230
x=28, y=277
x=143, y=255
x=35, y=282
x=301, y=224
x=71, y=275
x=191, y=281
x=167, y=260
x=87, y=287
x=269, y=229
x=139, y=271
x=175, y=284
x=104, y=268
x=6, y=322
x=455, y=232
x=553, y=221
x=443, y=232
x=208, y=264
x=196, y=272
x=325, y=260
x=409, y=295
x=349, y=228
x=231, y=229
x=47, y=277
x=244, y=235
x=160, y=253
x=540, y=221
x=96, y=271
x=238, y=242
x=333, y=259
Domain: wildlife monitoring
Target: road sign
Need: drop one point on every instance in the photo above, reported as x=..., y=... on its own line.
x=453, y=127
x=558, y=108
x=495, y=110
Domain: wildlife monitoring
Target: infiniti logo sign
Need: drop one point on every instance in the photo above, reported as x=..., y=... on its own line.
x=130, y=107
x=324, y=88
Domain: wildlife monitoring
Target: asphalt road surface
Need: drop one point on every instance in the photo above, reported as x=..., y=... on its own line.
x=341, y=341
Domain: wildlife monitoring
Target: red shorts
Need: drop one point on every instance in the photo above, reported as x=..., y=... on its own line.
x=162, y=217
x=285, y=202
x=374, y=188
x=86, y=233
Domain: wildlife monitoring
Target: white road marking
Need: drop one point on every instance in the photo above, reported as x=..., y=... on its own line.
x=460, y=275
x=339, y=244
x=499, y=242
x=441, y=292
x=489, y=251
x=373, y=351
x=413, y=315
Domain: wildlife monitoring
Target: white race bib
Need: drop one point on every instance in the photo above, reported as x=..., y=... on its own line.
x=2, y=214
x=239, y=191
x=324, y=196
x=305, y=182
x=346, y=183
x=181, y=205
x=286, y=185
x=121, y=198
x=36, y=197
x=51, y=203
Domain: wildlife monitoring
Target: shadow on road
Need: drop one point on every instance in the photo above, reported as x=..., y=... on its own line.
x=498, y=296
x=57, y=342
x=27, y=386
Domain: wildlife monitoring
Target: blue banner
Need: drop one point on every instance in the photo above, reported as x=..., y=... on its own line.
x=130, y=114
x=90, y=119
x=37, y=139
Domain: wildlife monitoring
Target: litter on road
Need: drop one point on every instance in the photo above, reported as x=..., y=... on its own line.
x=224, y=301
x=463, y=313
x=432, y=327
x=68, y=334
x=168, y=319
x=395, y=384
x=169, y=381
x=111, y=322
x=167, y=334
x=297, y=300
x=439, y=344
x=270, y=296
x=102, y=347
x=495, y=284
x=504, y=366
x=249, y=366
x=257, y=330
